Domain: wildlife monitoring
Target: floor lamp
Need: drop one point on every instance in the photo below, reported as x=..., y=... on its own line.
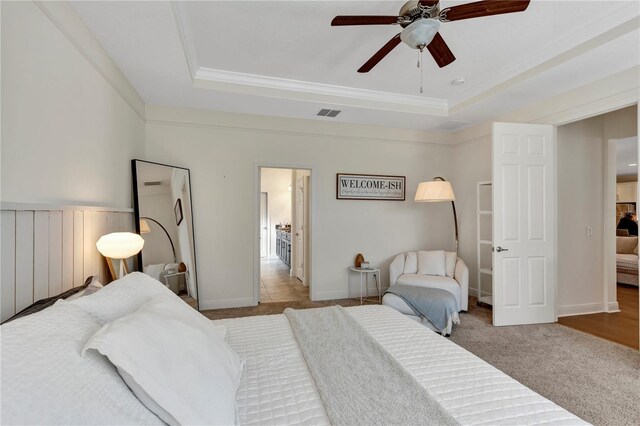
x=145, y=229
x=435, y=191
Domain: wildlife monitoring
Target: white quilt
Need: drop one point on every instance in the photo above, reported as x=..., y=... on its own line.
x=276, y=387
x=45, y=381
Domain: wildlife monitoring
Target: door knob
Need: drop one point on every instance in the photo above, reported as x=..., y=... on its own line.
x=500, y=249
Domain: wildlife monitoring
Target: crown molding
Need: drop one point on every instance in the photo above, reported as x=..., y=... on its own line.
x=180, y=18
x=599, y=97
x=237, y=82
x=65, y=18
x=198, y=118
x=614, y=33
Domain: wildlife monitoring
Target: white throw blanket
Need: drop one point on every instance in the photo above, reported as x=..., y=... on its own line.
x=359, y=382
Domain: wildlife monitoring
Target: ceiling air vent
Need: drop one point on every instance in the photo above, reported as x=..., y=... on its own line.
x=153, y=183
x=452, y=126
x=328, y=112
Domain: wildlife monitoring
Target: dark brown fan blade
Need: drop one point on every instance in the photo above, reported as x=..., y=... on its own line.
x=440, y=51
x=483, y=8
x=364, y=20
x=428, y=3
x=384, y=51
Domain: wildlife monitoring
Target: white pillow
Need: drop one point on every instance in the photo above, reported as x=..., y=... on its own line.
x=451, y=258
x=46, y=381
x=174, y=361
x=411, y=263
x=432, y=263
x=122, y=297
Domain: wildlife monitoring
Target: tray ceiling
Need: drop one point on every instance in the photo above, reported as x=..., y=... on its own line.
x=284, y=59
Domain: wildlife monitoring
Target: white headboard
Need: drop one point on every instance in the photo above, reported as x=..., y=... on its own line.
x=48, y=249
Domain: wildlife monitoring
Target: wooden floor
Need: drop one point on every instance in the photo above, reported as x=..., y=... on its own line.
x=277, y=286
x=620, y=327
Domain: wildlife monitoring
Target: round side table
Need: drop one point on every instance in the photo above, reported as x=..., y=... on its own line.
x=364, y=281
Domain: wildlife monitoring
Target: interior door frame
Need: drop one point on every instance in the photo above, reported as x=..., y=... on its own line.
x=268, y=237
x=257, y=168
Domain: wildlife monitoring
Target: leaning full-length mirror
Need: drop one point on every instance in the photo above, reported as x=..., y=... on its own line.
x=164, y=219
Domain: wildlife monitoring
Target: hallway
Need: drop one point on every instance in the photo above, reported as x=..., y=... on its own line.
x=276, y=285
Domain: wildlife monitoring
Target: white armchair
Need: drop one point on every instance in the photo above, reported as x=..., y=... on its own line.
x=402, y=271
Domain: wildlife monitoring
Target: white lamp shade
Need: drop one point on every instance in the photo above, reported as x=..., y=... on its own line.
x=420, y=32
x=144, y=227
x=120, y=245
x=434, y=191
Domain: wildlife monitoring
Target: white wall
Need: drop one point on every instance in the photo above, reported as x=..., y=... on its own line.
x=222, y=151
x=581, y=204
x=472, y=163
x=472, y=152
x=67, y=134
x=275, y=182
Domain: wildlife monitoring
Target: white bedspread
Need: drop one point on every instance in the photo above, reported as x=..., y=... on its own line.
x=277, y=388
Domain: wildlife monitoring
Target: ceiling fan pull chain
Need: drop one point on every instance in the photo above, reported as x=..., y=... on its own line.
x=421, y=68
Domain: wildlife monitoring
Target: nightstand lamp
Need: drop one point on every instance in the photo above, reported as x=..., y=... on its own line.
x=119, y=245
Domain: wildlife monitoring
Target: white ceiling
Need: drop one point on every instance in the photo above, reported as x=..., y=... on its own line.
x=627, y=156
x=283, y=58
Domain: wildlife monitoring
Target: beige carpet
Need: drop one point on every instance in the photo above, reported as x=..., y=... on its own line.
x=595, y=379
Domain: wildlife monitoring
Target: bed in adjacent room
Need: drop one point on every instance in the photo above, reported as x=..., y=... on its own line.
x=273, y=378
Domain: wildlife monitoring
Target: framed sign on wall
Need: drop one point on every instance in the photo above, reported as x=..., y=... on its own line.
x=370, y=187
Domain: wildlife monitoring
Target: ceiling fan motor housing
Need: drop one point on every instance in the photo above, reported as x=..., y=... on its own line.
x=412, y=11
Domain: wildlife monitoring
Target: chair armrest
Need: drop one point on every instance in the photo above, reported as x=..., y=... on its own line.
x=396, y=269
x=461, y=275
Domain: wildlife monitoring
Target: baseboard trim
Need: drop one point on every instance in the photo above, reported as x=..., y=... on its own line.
x=227, y=303
x=587, y=308
x=331, y=295
x=613, y=307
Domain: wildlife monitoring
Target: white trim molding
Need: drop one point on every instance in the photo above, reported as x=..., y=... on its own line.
x=582, y=309
x=206, y=305
x=280, y=88
x=8, y=205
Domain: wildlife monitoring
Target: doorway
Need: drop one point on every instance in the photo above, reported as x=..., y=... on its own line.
x=284, y=228
x=599, y=270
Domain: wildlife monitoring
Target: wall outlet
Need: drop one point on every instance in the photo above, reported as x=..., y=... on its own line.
x=589, y=231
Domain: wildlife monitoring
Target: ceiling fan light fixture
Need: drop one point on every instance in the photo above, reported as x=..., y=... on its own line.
x=420, y=33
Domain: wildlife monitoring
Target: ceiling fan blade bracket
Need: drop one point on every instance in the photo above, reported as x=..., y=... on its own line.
x=442, y=16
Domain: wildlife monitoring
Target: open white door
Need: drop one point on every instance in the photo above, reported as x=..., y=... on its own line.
x=524, y=234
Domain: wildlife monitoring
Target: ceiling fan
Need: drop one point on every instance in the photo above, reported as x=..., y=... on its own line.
x=421, y=20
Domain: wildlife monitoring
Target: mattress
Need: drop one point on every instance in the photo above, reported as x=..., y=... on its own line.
x=277, y=388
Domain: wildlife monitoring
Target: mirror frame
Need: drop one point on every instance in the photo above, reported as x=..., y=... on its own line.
x=136, y=216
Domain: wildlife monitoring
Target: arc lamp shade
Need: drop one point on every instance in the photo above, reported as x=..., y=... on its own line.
x=434, y=191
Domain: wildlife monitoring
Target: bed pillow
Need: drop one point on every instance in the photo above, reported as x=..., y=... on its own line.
x=174, y=360
x=451, y=258
x=46, y=381
x=432, y=263
x=122, y=297
x=411, y=263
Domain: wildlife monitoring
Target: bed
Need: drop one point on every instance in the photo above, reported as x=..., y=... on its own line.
x=45, y=382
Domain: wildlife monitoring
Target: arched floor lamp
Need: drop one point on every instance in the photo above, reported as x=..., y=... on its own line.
x=435, y=191
x=145, y=229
